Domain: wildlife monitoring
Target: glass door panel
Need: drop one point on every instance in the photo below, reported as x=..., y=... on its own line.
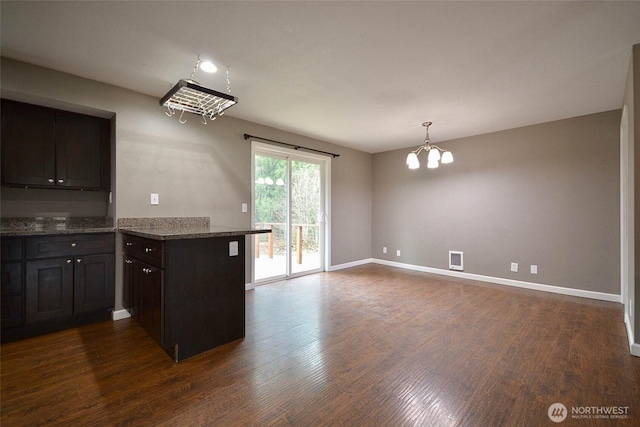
x=306, y=215
x=288, y=198
x=270, y=212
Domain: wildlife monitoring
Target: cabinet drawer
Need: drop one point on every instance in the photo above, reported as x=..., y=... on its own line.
x=69, y=245
x=11, y=249
x=147, y=250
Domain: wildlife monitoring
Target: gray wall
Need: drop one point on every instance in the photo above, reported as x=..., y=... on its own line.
x=197, y=170
x=546, y=194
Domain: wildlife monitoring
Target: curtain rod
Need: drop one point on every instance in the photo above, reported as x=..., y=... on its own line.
x=295, y=147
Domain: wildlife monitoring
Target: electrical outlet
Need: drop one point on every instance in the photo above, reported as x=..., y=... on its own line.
x=398, y=252
x=233, y=248
x=384, y=249
x=514, y=267
x=245, y=208
x=534, y=269
x=155, y=199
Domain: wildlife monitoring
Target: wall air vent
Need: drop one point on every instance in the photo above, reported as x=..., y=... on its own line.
x=456, y=260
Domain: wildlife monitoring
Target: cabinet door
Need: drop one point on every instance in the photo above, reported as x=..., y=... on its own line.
x=130, y=267
x=93, y=283
x=28, y=144
x=78, y=150
x=11, y=278
x=11, y=310
x=49, y=289
x=150, y=315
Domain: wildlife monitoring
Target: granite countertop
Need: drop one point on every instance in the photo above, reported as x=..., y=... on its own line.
x=152, y=228
x=179, y=228
x=42, y=226
x=189, y=232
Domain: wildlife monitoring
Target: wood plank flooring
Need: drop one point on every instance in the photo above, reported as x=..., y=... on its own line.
x=366, y=346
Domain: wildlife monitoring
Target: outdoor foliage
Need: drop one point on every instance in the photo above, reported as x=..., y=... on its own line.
x=271, y=198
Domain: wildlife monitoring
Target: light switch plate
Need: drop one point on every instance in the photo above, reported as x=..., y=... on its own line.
x=245, y=208
x=233, y=248
x=155, y=199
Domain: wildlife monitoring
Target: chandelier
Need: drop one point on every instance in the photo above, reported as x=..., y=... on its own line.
x=435, y=154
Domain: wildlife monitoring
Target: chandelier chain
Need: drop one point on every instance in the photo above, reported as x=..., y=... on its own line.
x=193, y=73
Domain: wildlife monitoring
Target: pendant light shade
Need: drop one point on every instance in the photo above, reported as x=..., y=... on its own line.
x=447, y=157
x=434, y=158
x=412, y=161
x=432, y=165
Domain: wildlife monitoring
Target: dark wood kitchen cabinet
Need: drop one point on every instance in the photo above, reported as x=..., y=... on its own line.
x=188, y=294
x=12, y=283
x=47, y=148
x=68, y=281
x=142, y=286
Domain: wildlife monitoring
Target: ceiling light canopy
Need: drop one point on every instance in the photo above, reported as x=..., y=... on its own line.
x=435, y=154
x=189, y=96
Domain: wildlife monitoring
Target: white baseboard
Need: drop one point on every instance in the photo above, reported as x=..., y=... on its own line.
x=633, y=347
x=249, y=286
x=119, y=314
x=351, y=264
x=509, y=282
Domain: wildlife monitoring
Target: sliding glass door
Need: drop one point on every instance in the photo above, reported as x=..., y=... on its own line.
x=289, y=199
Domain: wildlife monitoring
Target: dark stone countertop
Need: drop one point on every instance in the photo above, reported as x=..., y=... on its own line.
x=151, y=228
x=194, y=232
x=43, y=226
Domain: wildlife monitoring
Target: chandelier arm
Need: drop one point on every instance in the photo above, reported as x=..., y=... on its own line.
x=435, y=146
x=419, y=150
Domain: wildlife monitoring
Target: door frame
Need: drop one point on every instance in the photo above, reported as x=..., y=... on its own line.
x=325, y=176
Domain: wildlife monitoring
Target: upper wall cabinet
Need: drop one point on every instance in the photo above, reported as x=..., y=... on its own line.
x=47, y=148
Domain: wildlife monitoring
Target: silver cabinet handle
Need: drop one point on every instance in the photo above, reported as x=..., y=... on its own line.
x=60, y=181
x=128, y=261
x=146, y=270
x=51, y=180
x=129, y=243
x=79, y=260
x=73, y=245
x=147, y=250
x=68, y=261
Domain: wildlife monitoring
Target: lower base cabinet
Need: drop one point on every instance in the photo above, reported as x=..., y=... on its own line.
x=142, y=295
x=68, y=281
x=188, y=294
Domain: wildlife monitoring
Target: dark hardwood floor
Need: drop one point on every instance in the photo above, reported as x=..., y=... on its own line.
x=367, y=346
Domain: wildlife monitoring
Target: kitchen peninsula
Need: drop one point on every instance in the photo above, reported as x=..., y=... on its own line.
x=183, y=281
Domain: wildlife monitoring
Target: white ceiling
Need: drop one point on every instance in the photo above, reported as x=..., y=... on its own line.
x=360, y=74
